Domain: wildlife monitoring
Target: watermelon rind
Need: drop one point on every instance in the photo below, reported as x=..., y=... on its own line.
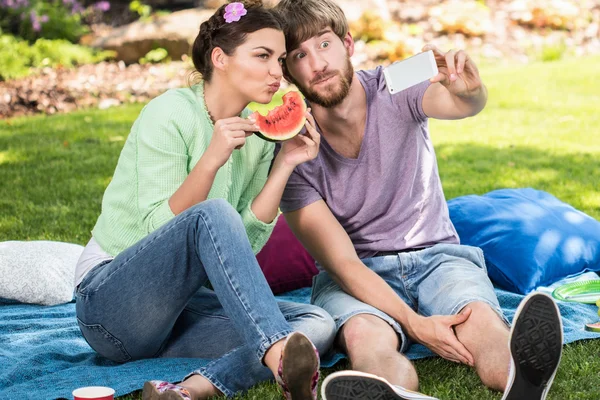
x=278, y=140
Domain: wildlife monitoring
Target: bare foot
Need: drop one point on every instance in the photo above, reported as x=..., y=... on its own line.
x=199, y=387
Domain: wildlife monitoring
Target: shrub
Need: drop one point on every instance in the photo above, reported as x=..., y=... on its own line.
x=470, y=18
x=143, y=10
x=14, y=57
x=382, y=50
x=552, y=14
x=18, y=57
x=156, y=56
x=370, y=26
x=57, y=19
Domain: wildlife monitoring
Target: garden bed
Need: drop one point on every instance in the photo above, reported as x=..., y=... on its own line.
x=492, y=31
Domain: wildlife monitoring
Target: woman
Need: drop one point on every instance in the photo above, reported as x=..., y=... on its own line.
x=190, y=204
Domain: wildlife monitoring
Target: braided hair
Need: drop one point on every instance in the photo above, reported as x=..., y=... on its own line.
x=215, y=32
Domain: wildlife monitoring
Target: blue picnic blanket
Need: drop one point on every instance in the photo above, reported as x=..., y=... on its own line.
x=44, y=356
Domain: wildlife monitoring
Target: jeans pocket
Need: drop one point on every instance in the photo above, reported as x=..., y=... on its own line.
x=103, y=342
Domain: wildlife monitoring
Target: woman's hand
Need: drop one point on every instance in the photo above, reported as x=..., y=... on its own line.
x=229, y=134
x=302, y=147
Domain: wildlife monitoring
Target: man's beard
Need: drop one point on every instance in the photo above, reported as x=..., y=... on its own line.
x=331, y=97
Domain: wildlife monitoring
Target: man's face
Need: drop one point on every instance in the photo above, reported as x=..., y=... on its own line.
x=320, y=67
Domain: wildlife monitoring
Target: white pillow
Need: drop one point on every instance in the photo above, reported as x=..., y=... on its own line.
x=38, y=272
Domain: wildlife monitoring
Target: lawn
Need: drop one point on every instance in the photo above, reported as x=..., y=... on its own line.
x=540, y=129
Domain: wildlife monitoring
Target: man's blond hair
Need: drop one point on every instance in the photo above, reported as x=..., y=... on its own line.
x=304, y=19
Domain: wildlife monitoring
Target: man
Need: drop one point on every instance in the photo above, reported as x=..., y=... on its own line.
x=371, y=210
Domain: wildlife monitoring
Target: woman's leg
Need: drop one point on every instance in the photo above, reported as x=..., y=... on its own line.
x=127, y=308
x=235, y=367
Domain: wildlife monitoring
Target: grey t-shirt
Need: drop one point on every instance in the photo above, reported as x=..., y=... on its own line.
x=390, y=197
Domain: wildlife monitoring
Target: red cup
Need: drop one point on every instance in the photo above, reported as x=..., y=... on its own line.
x=94, y=393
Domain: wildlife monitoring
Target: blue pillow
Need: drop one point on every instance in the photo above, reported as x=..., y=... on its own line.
x=529, y=237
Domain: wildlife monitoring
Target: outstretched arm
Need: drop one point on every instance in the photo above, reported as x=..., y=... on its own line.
x=457, y=91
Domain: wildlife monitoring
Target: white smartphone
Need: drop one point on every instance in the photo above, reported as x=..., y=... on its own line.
x=406, y=73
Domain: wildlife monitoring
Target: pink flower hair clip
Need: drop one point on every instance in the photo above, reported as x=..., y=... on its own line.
x=234, y=11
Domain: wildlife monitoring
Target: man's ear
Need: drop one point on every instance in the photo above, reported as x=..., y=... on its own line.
x=219, y=59
x=349, y=44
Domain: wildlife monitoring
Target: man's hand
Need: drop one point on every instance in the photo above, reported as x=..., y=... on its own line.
x=437, y=333
x=457, y=72
x=456, y=91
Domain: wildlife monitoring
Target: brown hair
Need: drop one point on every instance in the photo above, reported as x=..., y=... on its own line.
x=304, y=19
x=215, y=32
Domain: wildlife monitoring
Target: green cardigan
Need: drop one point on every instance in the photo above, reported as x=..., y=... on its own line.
x=167, y=139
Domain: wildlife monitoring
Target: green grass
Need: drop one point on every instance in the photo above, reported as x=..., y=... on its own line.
x=540, y=129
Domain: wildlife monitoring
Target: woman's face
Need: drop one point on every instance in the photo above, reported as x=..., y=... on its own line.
x=255, y=66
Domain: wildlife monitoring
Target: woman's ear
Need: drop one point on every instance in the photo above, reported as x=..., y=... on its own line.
x=219, y=59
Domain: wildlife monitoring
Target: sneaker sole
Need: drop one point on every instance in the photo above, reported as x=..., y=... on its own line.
x=299, y=365
x=536, y=348
x=355, y=385
x=150, y=393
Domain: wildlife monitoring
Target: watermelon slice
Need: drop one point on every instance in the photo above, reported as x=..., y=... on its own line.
x=283, y=122
x=595, y=327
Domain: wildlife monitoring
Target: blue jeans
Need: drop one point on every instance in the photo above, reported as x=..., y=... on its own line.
x=150, y=300
x=439, y=280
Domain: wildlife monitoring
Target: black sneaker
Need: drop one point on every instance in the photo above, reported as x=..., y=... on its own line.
x=355, y=385
x=536, y=340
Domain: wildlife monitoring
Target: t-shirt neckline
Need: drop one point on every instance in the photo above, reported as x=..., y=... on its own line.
x=362, y=150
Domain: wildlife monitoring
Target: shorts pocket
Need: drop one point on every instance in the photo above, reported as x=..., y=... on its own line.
x=322, y=283
x=103, y=342
x=481, y=259
x=312, y=289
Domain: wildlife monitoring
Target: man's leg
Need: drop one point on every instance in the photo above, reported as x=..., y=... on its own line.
x=372, y=346
x=490, y=350
x=453, y=277
x=449, y=278
x=536, y=340
x=373, y=341
x=534, y=351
